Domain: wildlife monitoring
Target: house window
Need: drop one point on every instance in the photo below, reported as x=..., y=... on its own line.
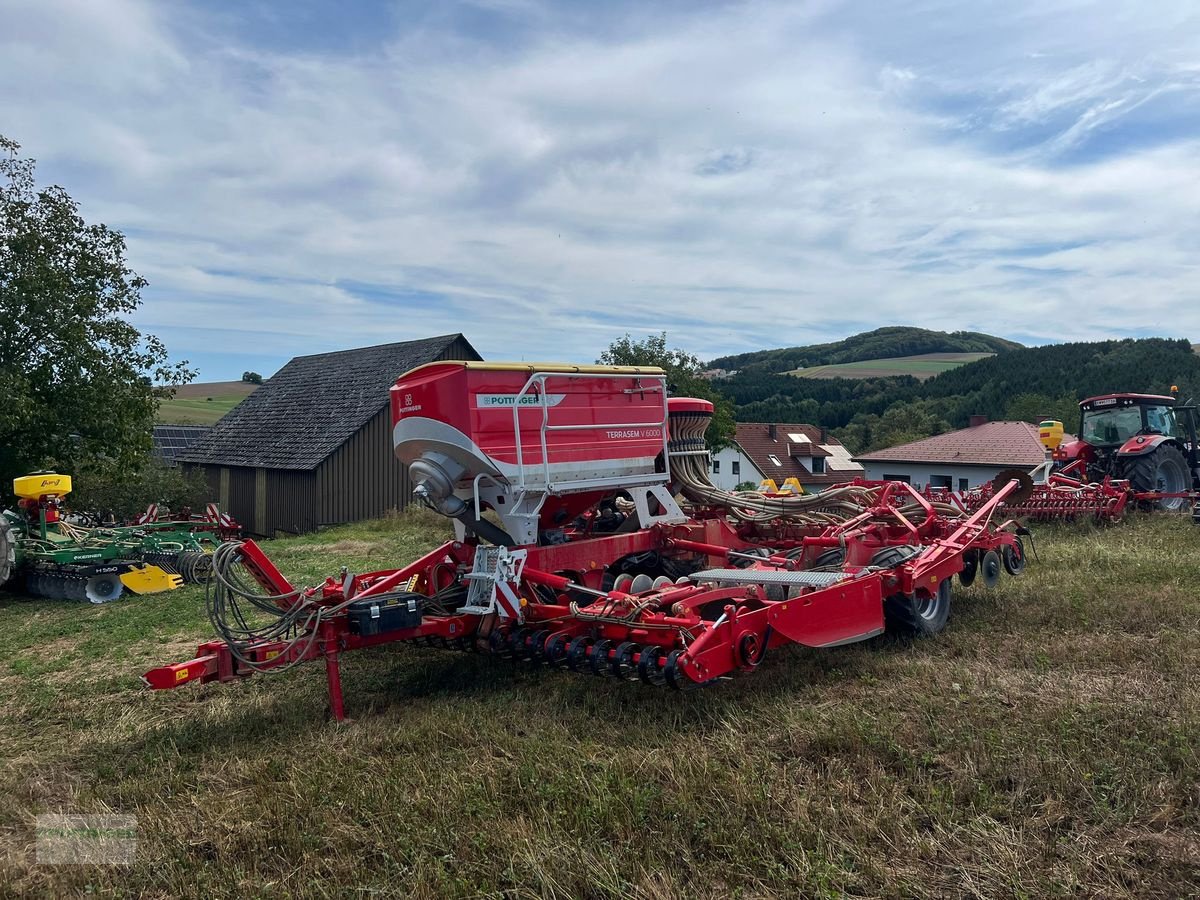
x=818, y=465
x=716, y=466
x=962, y=484
x=775, y=459
x=736, y=467
x=905, y=478
x=941, y=481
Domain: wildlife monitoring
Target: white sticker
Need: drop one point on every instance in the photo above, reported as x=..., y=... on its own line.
x=508, y=401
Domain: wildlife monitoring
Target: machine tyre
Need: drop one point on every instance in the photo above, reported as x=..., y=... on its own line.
x=831, y=558
x=890, y=557
x=1166, y=470
x=8, y=552
x=922, y=616
x=1013, y=557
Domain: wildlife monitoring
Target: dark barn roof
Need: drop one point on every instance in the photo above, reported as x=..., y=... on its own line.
x=171, y=440
x=313, y=405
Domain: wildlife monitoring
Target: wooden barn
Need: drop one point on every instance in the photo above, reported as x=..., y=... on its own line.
x=313, y=445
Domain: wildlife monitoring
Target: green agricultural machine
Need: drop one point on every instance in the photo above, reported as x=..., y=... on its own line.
x=60, y=560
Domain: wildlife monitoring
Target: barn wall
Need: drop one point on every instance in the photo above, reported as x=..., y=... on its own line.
x=292, y=501
x=363, y=479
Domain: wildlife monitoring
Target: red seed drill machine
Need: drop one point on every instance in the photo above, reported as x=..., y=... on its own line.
x=591, y=539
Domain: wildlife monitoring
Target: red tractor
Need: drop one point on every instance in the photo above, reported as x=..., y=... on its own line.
x=1145, y=439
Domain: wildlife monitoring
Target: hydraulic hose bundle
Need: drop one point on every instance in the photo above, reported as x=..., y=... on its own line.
x=689, y=466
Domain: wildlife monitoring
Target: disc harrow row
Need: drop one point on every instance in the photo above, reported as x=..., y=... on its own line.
x=1060, y=498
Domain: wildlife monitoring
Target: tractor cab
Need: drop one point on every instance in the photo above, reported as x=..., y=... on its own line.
x=1113, y=420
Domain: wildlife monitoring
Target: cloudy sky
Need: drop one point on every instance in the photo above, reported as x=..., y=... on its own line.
x=310, y=175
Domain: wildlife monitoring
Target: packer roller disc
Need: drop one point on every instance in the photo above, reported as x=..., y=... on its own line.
x=1021, y=494
x=103, y=588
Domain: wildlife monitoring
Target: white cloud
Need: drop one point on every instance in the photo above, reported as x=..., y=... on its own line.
x=741, y=177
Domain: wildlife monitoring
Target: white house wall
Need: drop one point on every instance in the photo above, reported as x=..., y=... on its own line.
x=724, y=476
x=920, y=474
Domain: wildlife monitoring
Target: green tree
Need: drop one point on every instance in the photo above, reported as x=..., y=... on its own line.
x=121, y=495
x=76, y=377
x=1035, y=408
x=683, y=377
x=252, y=378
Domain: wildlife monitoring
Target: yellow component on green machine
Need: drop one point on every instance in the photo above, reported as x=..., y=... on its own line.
x=33, y=487
x=150, y=580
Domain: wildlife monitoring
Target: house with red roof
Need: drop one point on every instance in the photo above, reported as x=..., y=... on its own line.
x=780, y=451
x=961, y=459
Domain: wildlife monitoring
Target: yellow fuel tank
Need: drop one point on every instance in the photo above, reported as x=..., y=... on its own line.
x=1050, y=433
x=30, y=487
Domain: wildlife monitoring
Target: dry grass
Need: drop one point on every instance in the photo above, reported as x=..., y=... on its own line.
x=1045, y=745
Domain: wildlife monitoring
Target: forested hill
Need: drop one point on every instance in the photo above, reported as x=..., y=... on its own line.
x=881, y=343
x=1027, y=383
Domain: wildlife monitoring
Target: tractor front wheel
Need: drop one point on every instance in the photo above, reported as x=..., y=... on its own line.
x=1165, y=471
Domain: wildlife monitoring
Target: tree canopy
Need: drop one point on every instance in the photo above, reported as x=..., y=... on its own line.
x=1030, y=384
x=683, y=377
x=77, y=378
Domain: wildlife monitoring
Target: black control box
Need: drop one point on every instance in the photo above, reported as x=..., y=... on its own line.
x=387, y=612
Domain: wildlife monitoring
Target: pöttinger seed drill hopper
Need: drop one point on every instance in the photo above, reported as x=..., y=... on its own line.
x=606, y=551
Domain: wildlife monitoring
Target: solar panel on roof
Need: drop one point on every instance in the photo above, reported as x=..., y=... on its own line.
x=171, y=440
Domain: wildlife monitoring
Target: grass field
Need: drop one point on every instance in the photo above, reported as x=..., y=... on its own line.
x=1045, y=745
x=922, y=366
x=203, y=404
